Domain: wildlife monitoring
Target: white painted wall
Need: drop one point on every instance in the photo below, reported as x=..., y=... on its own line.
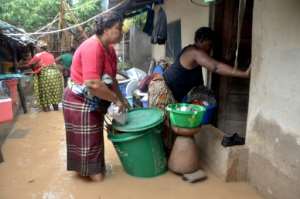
x=275, y=85
x=192, y=17
x=273, y=132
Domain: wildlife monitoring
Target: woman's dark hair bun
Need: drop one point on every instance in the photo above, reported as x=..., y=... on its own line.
x=106, y=21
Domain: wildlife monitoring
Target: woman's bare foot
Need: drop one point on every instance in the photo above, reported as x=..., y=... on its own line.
x=55, y=107
x=46, y=108
x=97, y=177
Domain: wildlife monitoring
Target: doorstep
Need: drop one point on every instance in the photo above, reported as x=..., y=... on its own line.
x=228, y=163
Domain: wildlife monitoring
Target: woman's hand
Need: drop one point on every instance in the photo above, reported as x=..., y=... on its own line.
x=239, y=73
x=93, y=84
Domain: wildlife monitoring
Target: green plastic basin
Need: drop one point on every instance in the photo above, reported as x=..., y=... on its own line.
x=189, y=118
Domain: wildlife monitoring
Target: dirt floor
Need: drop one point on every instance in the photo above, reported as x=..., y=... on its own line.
x=35, y=161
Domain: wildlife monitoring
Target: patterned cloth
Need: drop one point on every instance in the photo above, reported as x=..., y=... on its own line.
x=83, y=91
x=84, y=129
x=48, y=86
x=160, y=96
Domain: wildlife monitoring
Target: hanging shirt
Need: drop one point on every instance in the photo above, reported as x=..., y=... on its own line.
x=160, y=31
x=66, y=60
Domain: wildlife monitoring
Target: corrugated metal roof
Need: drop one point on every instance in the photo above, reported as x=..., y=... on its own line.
x=6, y=28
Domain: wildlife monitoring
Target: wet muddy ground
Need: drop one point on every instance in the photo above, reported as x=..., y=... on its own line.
x=35, y=167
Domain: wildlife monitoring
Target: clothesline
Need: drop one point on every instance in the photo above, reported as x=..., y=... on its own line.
x=55, y=19
x=68, y=28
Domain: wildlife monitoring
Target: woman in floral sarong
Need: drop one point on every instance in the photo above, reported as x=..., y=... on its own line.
x=47, y=78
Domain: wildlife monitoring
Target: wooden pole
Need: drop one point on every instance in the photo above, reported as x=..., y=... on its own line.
x=61, y=24
x=75, y=20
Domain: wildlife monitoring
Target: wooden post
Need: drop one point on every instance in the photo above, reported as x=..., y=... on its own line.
x=61, y=24
x=75, y=20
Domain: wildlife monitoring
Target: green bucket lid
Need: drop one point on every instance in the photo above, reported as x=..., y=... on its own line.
x=141, y=119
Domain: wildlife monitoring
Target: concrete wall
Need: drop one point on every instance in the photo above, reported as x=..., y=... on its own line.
x=140, y=49
x=192, y=17
x=273, y=131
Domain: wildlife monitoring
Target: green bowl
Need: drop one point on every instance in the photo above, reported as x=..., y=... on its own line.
x=186, y=115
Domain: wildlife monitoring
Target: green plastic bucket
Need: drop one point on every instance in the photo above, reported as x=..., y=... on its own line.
x=141, y=149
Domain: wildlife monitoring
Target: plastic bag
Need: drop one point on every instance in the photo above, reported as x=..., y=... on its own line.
x=135, y=73
x=118, y=116
x=203, y=94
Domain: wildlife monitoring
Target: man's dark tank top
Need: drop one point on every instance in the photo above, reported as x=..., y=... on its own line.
x=181, y=80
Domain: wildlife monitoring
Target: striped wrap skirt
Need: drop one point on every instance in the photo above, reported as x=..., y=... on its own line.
x=84, y=134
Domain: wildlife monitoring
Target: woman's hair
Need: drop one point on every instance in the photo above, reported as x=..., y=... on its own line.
x=106, y=21
x=204, y=34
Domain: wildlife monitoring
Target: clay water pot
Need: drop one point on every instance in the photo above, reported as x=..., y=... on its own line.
x=185, y=131
x=184, y=156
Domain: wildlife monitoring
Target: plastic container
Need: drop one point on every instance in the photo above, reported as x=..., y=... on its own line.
x=122, y=86
x=130, y=100
x=12, y=86
x=6, y=110
x=145, y=103
x=131, y=87
x=158, y=69
x=185, y=115
x=141, y=153
x=210, y=109
x=139, y=143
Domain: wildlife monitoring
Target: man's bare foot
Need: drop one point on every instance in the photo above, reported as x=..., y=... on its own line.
x=97, y=177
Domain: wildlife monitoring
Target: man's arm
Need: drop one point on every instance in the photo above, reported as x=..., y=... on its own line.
x=213, y=65
x=57, y=59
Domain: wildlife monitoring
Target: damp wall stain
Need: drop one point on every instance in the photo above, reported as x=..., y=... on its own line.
x=274, y=159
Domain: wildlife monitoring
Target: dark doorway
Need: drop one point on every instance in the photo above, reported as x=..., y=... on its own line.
x=232, y=93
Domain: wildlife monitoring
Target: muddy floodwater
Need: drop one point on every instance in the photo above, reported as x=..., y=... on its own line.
x=35, y=168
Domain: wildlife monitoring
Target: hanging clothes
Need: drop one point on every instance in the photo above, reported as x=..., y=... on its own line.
x=157, y=2
x=159, y=34
x=148, y=28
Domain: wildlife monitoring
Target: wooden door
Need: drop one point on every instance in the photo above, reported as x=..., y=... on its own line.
x=232, y=93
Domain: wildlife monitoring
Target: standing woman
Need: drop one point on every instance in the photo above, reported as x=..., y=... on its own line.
x=47, y=79
x=87, y=97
